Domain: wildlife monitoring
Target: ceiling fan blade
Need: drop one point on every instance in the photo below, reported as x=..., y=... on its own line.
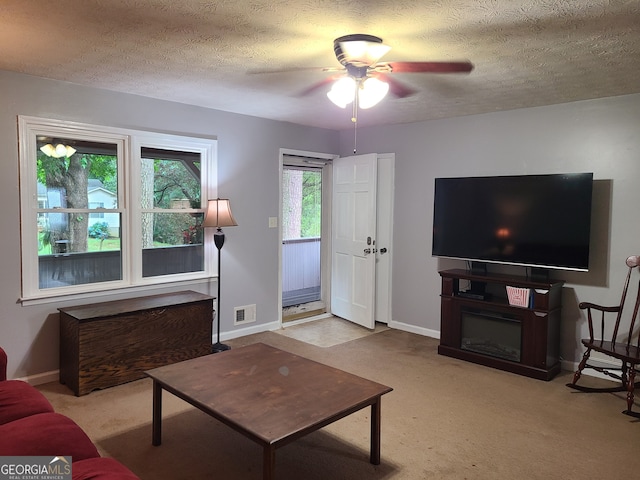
x=398, y=89
x=428, y=67
x=311, y=89
x=296, y=69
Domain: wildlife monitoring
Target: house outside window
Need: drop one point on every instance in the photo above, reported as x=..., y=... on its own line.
x=106, y=208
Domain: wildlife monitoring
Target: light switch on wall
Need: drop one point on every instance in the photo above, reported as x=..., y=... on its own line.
x=273, y=222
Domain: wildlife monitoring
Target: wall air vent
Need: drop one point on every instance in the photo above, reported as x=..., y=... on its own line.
x=244, y=314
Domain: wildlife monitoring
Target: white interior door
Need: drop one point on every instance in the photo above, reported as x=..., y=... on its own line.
x=353, y=230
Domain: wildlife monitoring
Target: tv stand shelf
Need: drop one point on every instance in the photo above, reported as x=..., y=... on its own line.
x=482, y=327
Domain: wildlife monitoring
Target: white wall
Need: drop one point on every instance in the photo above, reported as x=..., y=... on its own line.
x=599, y=136
x=248, y=154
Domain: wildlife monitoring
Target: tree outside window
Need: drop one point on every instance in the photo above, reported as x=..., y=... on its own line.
x=302, y=203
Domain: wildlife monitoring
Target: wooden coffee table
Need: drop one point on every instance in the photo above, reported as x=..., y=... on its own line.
x=271, y=396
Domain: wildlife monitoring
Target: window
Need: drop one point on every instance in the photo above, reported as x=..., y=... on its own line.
x=106, y=208
x=171, y=216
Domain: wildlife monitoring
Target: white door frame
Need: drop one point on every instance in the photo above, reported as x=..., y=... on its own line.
x=384, y=237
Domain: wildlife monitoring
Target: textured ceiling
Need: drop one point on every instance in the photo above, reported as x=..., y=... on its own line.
x=525, y=52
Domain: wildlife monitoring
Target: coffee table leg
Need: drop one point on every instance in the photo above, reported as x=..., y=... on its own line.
x=375, y=432
x=269, y=463
x=156, y=431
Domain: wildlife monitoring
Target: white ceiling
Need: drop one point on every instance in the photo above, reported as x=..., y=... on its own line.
x=203, y=52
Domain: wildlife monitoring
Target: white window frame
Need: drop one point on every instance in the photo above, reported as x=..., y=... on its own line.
x=129, y=144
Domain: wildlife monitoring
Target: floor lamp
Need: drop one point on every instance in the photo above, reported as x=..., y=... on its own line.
x=219, y=215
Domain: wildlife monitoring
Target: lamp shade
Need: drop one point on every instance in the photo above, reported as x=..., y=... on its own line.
x=219, y=214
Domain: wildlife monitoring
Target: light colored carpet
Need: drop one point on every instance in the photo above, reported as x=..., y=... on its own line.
x=329, y=332
x=446, y=419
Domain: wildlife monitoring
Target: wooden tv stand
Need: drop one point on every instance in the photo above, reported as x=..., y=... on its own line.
x=487, y=330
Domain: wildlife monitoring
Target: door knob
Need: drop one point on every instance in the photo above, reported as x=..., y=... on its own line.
x=383, y=250
x=367, y=251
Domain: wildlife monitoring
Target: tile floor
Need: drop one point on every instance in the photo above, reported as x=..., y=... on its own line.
x=328, y=332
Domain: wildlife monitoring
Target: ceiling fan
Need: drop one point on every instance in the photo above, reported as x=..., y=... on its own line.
x=360, y=54
x=364, y=80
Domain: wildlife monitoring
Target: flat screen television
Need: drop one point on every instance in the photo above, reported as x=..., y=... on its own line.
x=541, y=221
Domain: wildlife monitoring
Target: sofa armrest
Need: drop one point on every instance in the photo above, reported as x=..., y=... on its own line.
x=3, y=365
x=44, y=434
x=18, y=399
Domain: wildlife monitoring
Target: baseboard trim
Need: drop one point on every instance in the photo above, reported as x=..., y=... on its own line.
x=54, y=375
x=243, y=332
x=41, y=378
x=425, y=332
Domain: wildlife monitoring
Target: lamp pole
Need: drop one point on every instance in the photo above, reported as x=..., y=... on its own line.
x=218, y=238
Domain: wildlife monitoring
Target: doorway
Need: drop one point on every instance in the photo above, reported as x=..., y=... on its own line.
x=381, y=248
x=302, y=227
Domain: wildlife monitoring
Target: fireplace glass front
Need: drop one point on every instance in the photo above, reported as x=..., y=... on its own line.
x=487, y=333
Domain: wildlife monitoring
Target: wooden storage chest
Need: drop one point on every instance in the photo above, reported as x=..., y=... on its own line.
x=109, y=343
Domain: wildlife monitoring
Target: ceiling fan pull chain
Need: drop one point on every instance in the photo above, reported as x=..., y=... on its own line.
x=355, y=137
x=354, y=119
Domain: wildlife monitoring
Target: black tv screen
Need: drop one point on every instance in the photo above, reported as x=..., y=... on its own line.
x=530, y=220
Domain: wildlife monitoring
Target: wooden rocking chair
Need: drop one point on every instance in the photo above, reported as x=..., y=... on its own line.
x=626, y=350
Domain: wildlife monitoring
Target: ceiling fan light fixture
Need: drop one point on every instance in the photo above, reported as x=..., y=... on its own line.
x=343, y=91
x=362, y=52
x=371, y=92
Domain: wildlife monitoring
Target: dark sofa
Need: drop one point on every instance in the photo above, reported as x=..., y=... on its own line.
x=29, y=426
